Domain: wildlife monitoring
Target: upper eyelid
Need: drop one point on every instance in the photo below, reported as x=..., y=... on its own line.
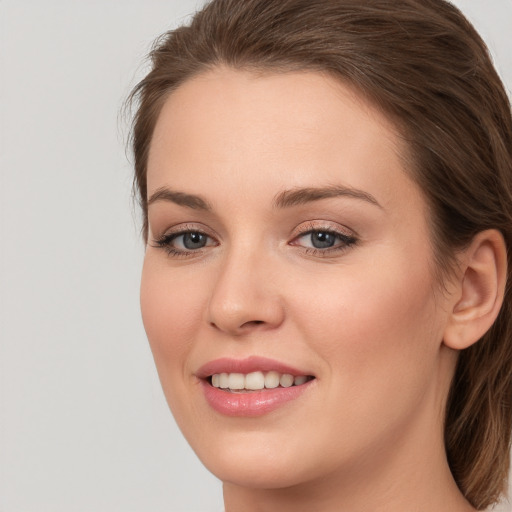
x=184, y=228
x=323, y=225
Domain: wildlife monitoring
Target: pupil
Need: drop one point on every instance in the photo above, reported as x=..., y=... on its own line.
x=194, y=240
x=322, y=239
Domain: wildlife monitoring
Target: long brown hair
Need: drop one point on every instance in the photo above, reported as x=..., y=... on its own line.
x=423, y=64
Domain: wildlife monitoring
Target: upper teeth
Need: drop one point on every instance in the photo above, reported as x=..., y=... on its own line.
x=256, y=380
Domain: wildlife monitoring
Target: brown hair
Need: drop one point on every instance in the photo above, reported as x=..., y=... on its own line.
x=425, y=65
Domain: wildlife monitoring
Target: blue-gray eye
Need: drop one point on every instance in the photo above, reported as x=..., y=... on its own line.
x=185, y=243
x=193, y=240
x=323, y=239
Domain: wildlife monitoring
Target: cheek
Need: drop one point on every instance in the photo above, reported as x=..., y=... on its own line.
x=378, y=331
x=171, y=313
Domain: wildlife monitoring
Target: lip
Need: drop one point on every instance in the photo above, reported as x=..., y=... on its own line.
x=254, y=403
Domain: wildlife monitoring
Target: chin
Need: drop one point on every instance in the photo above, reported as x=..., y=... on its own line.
x=254, y=472
x=256, y=459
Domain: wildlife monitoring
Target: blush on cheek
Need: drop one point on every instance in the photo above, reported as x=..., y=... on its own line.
x=157, y=317
x=385, y=321
x=170, y=316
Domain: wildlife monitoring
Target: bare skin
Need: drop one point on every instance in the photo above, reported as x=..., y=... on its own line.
x=363, y=316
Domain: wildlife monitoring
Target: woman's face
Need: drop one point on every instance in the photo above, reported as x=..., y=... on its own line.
x=286, y=238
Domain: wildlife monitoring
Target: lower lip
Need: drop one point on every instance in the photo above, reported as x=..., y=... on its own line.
x=254, y=403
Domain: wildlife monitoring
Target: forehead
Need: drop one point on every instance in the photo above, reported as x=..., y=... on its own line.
x=287, y=129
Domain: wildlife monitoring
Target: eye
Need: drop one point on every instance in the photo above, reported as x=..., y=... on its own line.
x=185, y=242
x=191, y=241
x=323, y=241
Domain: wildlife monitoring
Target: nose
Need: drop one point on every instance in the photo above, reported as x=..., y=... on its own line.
x=245, y=296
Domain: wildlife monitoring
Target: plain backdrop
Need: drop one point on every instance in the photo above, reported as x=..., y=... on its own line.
x=83, y=422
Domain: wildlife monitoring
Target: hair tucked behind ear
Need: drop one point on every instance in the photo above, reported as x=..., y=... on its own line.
x=423, y=64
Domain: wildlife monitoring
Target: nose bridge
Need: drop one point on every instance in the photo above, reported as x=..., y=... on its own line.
x=244, y=295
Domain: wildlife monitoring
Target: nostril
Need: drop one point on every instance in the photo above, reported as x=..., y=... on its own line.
x=240, y=330
x=253, y=322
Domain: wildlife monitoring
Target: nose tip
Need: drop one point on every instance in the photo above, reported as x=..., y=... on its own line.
x=244, y=318
x=241, y=302
x=236, y=326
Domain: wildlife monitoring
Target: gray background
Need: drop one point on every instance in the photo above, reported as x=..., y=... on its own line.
x=83, y=422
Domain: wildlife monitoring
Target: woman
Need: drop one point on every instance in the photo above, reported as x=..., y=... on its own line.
x=327, y=198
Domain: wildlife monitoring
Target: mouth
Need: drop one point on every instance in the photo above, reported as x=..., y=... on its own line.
x=256, y=381
x=252, y=387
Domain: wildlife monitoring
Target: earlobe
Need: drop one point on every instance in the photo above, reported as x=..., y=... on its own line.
x=480, y=290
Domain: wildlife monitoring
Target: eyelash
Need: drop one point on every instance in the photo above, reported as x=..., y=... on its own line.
x=165, y=242
x=344, y=241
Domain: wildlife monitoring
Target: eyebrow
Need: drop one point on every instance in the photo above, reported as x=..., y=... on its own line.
x=285, y=199
x=179, y=198
x=299, y=196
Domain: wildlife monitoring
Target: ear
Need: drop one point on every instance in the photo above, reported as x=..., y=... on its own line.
x=479, y=290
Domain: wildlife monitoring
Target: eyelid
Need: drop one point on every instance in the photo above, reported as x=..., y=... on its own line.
x=346, y=239
x=322, y=225
x=185, y=227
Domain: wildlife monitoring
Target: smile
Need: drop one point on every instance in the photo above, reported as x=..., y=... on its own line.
x=256, y=381
x=251, y=387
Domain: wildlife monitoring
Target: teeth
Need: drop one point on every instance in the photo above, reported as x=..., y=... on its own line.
x=255, y=381
x=236, y=381
x=223, y=380
x=301, y=379
x=286, y=380
x=271, y=380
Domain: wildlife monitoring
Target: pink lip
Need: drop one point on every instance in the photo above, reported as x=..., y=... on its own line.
x=254, y=403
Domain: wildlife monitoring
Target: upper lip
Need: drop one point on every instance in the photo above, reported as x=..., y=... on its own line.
x=247, y=365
